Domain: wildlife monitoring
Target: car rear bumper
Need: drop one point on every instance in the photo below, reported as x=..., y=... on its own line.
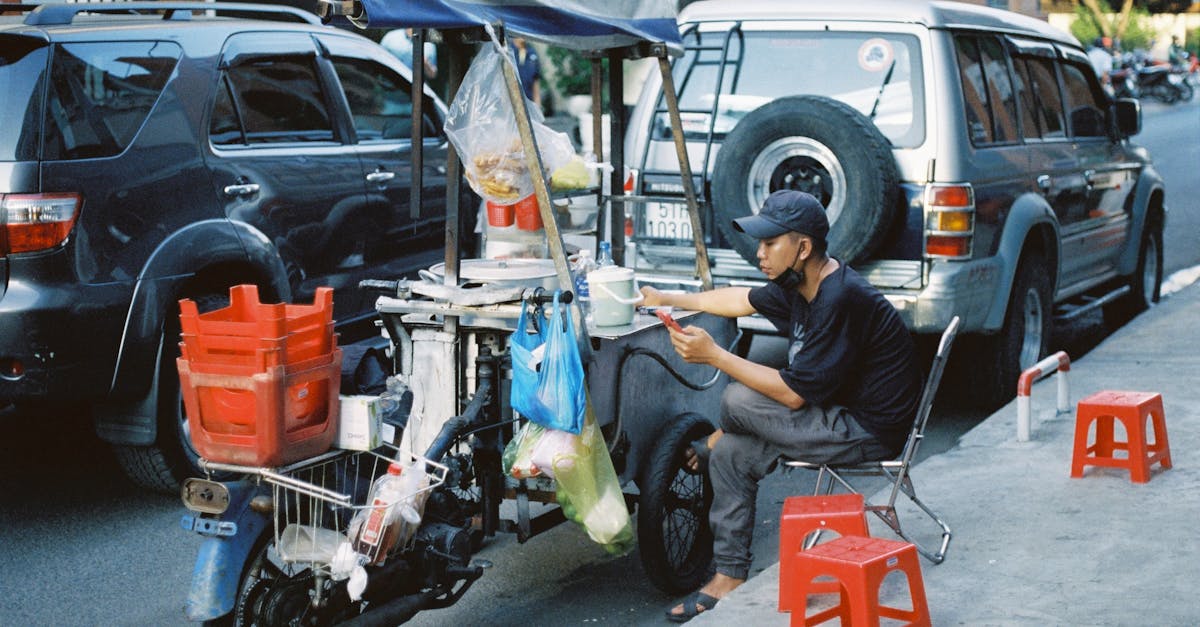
x=64, y=338
x=965, y=289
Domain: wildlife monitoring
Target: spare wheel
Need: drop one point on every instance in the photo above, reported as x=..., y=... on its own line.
x=811, y=144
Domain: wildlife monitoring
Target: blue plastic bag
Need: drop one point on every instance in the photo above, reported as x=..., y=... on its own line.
x=551, y=393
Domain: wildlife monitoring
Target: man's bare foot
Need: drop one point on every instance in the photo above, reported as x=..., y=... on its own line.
x=692, y=460
x=717, y=587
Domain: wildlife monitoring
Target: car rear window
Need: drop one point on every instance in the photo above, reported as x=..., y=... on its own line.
x=100, y=95
x=22, y=67
x=877, y=73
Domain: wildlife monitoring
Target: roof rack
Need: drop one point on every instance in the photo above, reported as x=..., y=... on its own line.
x=64, y=13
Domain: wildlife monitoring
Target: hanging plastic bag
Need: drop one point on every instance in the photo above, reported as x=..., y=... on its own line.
x=483, y=128
x=589, y=492
x=558, y=398
x=517, y=459
x=528, y=338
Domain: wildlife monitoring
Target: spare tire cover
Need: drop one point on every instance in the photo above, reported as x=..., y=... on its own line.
x=811, y=144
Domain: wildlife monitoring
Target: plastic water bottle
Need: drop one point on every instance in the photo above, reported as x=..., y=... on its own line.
x=583, y=265
x=376, y=527
x=605, y=258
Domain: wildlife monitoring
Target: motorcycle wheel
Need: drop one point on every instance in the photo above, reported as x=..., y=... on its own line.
x=674, y=537
x=1186, y=92
x=270, y=592
x=1164, y=93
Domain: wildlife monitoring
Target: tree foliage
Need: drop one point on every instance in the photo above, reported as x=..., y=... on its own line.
x=1129, y=26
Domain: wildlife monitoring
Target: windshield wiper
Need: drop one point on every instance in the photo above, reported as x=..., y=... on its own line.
x=879, y=96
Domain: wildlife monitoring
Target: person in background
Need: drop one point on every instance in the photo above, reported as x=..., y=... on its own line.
x=529, y=69
x=1175, y=54
x=399, y=42
x=1101, y=58
x=848, y=394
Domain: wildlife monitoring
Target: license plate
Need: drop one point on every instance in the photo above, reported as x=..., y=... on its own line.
x=667, y=221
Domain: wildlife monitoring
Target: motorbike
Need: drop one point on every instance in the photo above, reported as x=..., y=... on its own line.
x=1124, y=83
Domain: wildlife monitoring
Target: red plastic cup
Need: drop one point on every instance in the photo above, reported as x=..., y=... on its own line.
x=500, y=215
x=529, y=218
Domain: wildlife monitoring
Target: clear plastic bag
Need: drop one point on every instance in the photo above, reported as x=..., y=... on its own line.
x=483, y=128
x=517, y=460
x=589, y=492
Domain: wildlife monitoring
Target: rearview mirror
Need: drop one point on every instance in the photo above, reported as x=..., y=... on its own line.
x=1129, y=117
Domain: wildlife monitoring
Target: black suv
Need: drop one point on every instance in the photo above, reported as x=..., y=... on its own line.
x=167, y=150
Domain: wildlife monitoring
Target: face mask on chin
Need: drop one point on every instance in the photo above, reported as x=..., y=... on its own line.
x=790, y=279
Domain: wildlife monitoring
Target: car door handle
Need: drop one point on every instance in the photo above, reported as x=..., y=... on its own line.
x=241, y=189
x=379, y=177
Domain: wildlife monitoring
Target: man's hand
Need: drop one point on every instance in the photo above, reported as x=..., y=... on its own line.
x=696, y=346
x=653, y=297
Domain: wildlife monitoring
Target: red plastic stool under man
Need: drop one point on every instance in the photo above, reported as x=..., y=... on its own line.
x=861, y=565
x=802, y=515
x=1132, y=409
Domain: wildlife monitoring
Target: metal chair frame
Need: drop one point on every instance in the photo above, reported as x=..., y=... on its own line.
x=897, y=470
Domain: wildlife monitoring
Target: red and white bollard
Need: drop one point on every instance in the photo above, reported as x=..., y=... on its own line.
x=1057, y=363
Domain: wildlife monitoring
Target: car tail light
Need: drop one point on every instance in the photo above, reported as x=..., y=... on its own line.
x=949, y=220
x=35, y=222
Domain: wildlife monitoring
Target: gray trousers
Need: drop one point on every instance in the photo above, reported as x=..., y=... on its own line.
x=758, y=432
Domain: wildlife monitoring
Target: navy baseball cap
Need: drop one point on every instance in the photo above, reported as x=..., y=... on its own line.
x=786, y=210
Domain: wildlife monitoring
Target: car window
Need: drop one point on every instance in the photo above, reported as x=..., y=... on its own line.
x=22, y=68
x=988, y=92
x=1043, y=100
x=380, y=100
x=269, y=101
x=100, y=94
x=1082, y=102
x=879, y=74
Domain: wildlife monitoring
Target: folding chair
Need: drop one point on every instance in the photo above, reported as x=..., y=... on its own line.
x=895, y=471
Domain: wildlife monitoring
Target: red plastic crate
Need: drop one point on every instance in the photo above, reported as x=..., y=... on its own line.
x=271, y=418
x=237, y=334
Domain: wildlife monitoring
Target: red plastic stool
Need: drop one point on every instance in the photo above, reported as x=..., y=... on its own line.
x=860, y=565
x=802, y=515
x=1132, y=409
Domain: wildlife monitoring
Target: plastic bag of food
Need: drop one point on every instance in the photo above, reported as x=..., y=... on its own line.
x=589, y=492
x=516, y=459
x=483, y=128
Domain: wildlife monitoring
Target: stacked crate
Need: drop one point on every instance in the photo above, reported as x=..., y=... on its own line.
x=260, y=381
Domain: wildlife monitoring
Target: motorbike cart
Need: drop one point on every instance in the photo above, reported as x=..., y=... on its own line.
x=282, y=544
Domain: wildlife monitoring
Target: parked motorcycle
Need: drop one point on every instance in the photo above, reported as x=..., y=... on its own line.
x=1160, y=83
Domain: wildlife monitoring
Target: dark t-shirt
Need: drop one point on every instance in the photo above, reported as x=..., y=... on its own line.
x=848, y=347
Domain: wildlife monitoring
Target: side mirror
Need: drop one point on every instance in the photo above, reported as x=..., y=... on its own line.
x=1129, y=116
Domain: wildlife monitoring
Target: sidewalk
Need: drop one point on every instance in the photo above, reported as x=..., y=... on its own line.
x=1032, y=546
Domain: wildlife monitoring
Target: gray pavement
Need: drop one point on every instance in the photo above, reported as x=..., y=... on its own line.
x=1032, y=546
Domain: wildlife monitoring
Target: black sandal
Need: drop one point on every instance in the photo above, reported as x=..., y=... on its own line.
x=697, y=598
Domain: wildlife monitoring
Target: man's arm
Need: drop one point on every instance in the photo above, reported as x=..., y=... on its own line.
x=696, y=346
x=728, y=302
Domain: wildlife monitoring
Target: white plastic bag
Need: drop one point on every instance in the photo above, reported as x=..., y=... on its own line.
x=483, y=128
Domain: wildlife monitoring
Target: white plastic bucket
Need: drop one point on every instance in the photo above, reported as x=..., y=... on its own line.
x=614, y=293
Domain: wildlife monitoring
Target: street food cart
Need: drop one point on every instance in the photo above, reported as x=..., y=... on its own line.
x=648, y=402
x=451, y=333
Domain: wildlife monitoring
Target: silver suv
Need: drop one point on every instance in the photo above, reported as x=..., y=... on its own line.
x=970, y=162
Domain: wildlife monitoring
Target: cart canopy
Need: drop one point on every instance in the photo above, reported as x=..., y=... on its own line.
x=577, y=24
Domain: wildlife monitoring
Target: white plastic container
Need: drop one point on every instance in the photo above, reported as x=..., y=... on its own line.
x=614, y=294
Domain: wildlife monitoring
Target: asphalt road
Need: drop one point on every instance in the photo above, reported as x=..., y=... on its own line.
x=82, y=546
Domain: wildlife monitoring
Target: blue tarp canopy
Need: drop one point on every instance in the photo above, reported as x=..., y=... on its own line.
x=577, y=24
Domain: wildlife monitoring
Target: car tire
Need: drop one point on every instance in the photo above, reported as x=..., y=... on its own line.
x=1023, y=339
x=1145, y=284
x=162, y=466
x=816, y=145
